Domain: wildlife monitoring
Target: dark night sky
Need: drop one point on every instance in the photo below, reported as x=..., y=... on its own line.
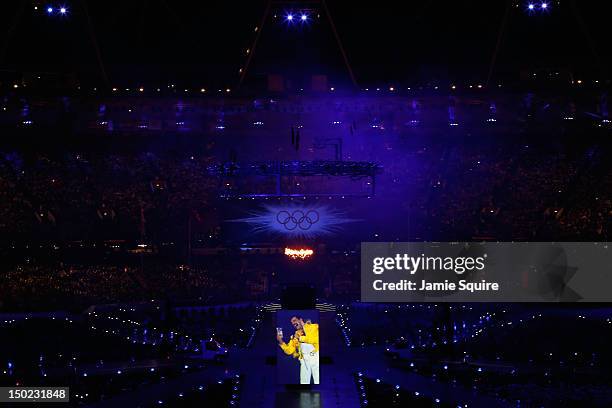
x=203, y=43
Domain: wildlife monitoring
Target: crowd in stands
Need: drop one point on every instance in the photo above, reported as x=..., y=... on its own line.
x=53, y=287
x=508, y=191
x=504, y=185
x=507, y=184
x=76, y=196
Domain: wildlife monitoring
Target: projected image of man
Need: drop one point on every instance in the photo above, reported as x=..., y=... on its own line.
x=304, y=347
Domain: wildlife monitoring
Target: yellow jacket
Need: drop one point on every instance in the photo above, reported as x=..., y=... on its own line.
x=309, y=335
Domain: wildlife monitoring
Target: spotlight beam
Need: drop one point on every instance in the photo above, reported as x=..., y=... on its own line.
x=94, y=41
x=500, y=36
x=342, y=51
x=587, y=35
x=253, y=47
x=323, y=3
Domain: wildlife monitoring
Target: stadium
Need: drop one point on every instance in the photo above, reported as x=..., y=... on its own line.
x=185, y=188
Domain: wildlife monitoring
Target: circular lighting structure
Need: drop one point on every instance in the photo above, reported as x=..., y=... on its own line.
x=544, y=6
x=49, y=10
x=62, y=10
x=289, y=17
x=531, y=6
x=304, y=17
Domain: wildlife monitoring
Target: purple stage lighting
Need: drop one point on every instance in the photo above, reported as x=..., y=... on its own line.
x=289, y=17
x=304, y=17
x=530, y=6
x=544, y=6
x=62, y=10
x=49, y=10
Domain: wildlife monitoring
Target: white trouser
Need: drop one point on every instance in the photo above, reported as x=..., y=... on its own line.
x=309, y=367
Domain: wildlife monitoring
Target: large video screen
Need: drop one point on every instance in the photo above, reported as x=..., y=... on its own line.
x=297, y=339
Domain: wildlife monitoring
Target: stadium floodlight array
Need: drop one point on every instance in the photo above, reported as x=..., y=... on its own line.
x=532, y=7
x=294, y=17
x=60, y=10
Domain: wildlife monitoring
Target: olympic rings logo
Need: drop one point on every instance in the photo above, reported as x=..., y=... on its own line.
x=297, y=219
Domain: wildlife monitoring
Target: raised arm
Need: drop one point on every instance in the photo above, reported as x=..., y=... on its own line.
x=289, y=348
